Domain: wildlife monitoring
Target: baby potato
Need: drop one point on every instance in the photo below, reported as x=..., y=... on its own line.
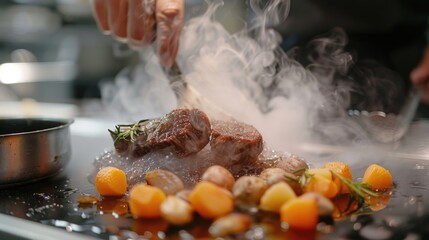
x=275, y=175
x=276, y=196
x=219, y=176
x=176, y=211
x=232, y=223
x=247, y=191
x=184, y=194
x=165, y=180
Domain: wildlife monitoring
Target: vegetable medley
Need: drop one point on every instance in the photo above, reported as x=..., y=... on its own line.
x=299, y=200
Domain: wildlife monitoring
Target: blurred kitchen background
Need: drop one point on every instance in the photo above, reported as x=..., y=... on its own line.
x=52, y=52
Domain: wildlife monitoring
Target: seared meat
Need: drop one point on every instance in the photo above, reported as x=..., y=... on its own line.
x=178, y=142
x=186, y=131
x=235, y=143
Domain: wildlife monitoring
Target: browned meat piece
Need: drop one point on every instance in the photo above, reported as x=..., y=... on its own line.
x=235, y=143
x=186, y=131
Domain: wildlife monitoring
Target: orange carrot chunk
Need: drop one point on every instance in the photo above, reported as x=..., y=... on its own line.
x=377, y=177
x=322, y=185
x=210, y=200
x=111, y=181
x=343, y=170
x=300, y=213
x=323, y=172
x=145, y=201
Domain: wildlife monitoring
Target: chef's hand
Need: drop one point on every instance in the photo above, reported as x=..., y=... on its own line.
x=420, y=75
x=134, y=22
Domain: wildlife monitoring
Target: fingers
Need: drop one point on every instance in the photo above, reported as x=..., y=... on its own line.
x=169, y=17
x=420, y=74
x=134, y=21
x=99, y=9
x=141, y=22
x=420, y=77
x=425, y=96
x=118, y=18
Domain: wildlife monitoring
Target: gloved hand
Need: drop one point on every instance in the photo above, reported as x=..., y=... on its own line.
x=420, y=75
x=141, y=22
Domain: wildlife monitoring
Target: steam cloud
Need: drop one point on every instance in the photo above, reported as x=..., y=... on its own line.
x=248, y=76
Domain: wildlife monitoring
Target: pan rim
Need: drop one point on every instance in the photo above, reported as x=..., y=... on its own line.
x=62, y=123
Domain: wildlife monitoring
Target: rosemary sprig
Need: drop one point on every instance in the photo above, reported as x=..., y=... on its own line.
x=305, y=178
x=358, y=191
x=127, y=132
x=359, y=188
x=293, y=179
x=300, y=170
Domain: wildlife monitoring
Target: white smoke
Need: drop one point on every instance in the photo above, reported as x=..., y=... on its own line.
x=248, y=76
x=139, y=92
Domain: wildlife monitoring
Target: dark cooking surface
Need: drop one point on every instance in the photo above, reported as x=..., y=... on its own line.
x=55, y=199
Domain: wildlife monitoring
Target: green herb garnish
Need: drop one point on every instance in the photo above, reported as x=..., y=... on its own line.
x=305, y=179
x=360, y=189
x=300, y=170
x=127, y=132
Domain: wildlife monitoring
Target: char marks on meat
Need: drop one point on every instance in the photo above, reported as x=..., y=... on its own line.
x=186, y=131
x=234, y=142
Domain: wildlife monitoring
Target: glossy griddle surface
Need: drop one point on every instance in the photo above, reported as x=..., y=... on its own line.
x=54, y=201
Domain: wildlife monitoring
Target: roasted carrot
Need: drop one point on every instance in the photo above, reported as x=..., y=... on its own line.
x=300, y=213
x=322, y=185
x=145, y=201
x=111, y=181
x=377, y=177
x=323, y=172
x=342, y=169
x=210, y=200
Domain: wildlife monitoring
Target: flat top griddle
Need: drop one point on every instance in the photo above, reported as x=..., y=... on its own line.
x=49, y=208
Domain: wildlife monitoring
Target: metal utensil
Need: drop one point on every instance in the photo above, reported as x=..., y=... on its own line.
x=390, y=127
x=32, y=149
x=189, y=97
x=176, y=79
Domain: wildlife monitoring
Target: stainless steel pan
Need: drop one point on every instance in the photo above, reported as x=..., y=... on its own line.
x=32, y=149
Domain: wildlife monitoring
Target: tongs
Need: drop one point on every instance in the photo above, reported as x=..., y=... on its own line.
x=176, y=80
x=189, y=97
x=387, y=128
